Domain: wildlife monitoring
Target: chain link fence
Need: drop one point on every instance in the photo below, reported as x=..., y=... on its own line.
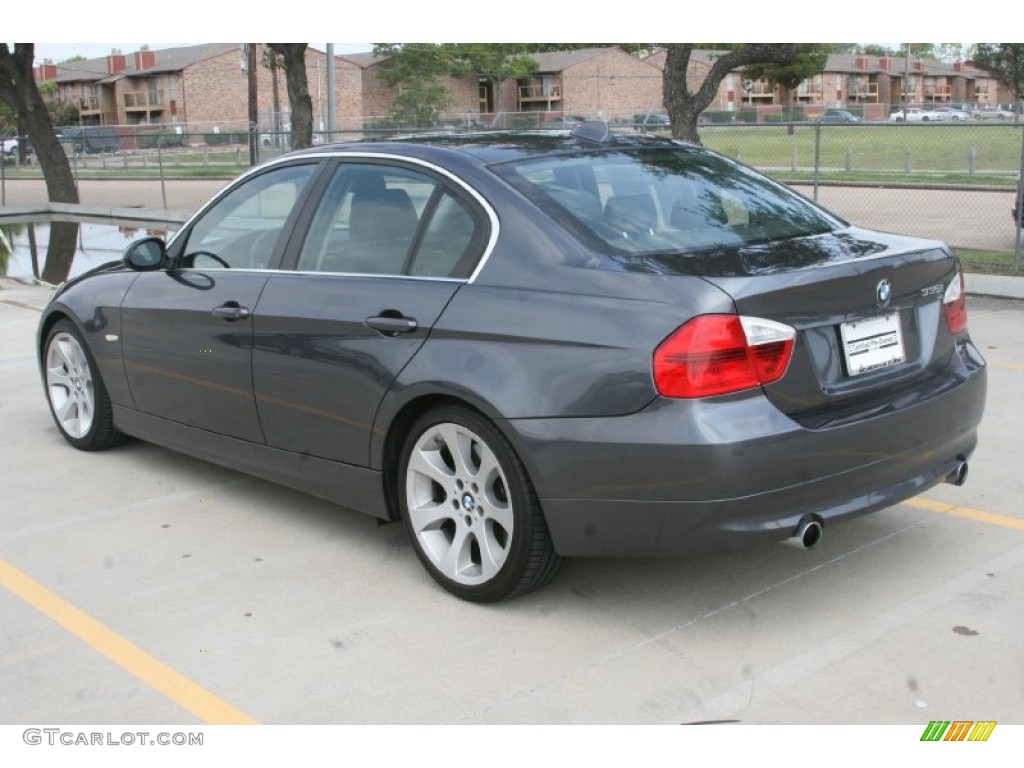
x=953, y=181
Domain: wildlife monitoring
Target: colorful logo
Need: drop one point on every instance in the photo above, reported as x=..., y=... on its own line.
x=958, y=730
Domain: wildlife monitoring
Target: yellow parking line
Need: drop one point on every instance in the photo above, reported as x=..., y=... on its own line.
x=1001, y=364
x=971, y=514
x=197, y=700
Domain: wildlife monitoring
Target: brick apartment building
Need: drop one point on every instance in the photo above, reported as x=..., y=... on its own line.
x=204, y=87
x=200, y=87
x=878, y=84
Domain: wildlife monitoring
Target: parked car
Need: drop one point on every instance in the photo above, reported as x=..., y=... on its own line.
x=910, y=115
x=650, y=122
x=949, y=114
x=564, y=122
x=11, y=149
x=527, y=346
x=992, y=113
x=465, y=124
x=839, y=116
x=91, y=140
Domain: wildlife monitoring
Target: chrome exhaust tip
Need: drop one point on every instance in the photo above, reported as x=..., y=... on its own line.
x=959, y=474
x=807, y=534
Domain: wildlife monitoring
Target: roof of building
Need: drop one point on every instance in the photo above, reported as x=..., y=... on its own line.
x=848, y=63
x=364, y=59
x=166, y=60
x=176, y=59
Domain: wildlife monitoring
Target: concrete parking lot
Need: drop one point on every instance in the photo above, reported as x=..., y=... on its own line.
x=143, y=586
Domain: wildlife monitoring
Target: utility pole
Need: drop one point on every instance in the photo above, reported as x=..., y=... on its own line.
x=332, y=107
x=254, y=155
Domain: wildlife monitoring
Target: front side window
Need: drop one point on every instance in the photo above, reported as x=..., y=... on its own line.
x=241, y=230
x=664, y=201
x=384, y=220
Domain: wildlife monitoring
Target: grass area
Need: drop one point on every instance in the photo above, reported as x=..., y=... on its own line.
x=989, y=262
x=968, y=154
x=955, y=153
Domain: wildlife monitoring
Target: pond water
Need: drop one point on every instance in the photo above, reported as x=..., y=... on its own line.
x=96, y=244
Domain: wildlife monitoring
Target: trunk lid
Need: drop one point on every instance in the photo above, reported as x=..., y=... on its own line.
x=868, y=312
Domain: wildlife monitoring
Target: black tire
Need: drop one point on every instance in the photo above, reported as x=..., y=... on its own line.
x=75, y=392
x=474, y=519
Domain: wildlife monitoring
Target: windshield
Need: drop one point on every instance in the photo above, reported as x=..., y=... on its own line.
x=667, y=200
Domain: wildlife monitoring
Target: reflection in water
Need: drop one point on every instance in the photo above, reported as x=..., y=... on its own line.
x=56, y=251
x=60, y=251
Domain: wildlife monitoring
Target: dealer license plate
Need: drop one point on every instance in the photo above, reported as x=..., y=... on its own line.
x=871, y=344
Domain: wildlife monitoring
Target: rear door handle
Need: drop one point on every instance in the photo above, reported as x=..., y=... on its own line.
x=230, y=312
x=392, y=325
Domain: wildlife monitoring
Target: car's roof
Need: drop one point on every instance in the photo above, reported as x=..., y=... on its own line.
x=488, y=147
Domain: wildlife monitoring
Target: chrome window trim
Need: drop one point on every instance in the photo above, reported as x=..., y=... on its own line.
x=372, y=275
x=335, y=155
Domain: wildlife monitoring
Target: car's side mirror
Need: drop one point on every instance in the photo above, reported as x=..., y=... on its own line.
x=146, y=254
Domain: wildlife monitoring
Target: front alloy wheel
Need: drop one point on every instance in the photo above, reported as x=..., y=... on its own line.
x=470, y=509
x=78, y=400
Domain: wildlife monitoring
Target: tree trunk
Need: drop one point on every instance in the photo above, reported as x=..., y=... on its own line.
x=18, y=88
x=684, y=107
x=294, y=56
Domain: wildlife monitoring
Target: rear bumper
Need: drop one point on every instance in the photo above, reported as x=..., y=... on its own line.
x=691, y=477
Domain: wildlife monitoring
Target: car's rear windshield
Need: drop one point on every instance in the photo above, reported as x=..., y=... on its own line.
x=664, y=200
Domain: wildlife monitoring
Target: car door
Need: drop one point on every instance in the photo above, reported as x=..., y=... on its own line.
x=187, y=330
x=375, y=265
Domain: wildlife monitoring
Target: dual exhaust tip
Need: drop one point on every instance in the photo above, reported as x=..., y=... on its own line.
x=809, y=531
x=959, y=474
x=807, y=534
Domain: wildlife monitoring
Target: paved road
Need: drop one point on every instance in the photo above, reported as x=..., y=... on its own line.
x=181, y=195
x=979, y=220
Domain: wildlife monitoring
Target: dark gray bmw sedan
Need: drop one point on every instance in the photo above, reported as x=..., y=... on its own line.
x=530, y=346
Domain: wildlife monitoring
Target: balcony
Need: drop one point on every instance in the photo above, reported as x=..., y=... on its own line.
x=540, y=92
x=147, y=101
x=88, y=104
x=759, y=90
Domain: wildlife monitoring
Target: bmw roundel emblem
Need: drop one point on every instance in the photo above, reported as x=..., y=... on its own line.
x=883, y=293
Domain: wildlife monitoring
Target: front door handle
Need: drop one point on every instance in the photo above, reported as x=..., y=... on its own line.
x=392, y=325
x=231, y=312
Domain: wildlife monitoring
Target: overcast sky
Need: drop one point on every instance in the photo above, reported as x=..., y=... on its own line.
x=65, y=22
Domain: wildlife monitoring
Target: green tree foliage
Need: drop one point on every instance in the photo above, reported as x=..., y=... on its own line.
x=810, y=59
x=8, y=124
x=1005, y=62
x=417, y=69
x=874, y=49
x=951, y=52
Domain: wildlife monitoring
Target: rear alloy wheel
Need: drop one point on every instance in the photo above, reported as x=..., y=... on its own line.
x=78, y=400
x=470, y=509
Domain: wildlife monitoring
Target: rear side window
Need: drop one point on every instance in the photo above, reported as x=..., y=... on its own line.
x=384, y=220
x=665, y=200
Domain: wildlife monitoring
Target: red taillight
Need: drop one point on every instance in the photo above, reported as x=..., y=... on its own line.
x=954, y=302
x=717, y=354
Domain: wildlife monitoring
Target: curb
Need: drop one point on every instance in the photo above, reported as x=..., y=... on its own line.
x=998, y=286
